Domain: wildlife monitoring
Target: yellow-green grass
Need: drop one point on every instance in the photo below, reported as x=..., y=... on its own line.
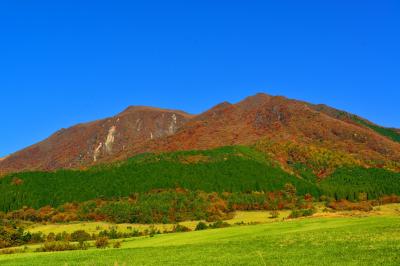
x=95, y=227
x=372, y=239
x=246, y=217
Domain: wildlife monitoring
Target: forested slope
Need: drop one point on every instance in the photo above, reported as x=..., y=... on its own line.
x=228, y=169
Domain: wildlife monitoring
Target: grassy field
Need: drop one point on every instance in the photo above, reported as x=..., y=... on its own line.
x=247, y=217
x=328, y=239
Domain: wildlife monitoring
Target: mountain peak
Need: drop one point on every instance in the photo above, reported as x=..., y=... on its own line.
x=140, y=108
x=258, y=100
x=258, y=97
x=141, y=129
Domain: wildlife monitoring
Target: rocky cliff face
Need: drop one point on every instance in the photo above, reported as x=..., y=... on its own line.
x=85, y=144
x=145, y=129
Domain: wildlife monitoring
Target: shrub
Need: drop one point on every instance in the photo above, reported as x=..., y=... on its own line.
x=83, y=245
x=219, y=224
x=201, y=226
x=37, y=237
x=389, y=199
x=51, y=237
x=180, y=228
x=301, y=213
x=117, y=244
x=101, y=242
x=17, y=181
x=63, y=236
x=274, y=214
x=50, y=246
x=8, y=251
x=80, y=235
x=345, y=205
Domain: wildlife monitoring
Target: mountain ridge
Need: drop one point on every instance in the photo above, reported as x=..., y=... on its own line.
x=139, y=129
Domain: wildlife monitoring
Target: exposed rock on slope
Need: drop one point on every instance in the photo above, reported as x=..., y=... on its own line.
x=85, y=144
x=145, y=129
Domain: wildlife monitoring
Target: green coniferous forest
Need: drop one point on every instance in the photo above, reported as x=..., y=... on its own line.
x=228, y=169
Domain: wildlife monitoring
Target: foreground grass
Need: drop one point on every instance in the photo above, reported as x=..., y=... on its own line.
x=373, y=240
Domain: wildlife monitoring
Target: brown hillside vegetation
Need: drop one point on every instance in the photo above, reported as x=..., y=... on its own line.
x=256, y=119
x=86, y=144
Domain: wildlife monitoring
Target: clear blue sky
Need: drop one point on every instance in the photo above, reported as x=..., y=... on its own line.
x=65, y=62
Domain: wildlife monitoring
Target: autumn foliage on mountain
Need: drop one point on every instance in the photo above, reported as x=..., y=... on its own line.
x=287, y=130
x=150, y=165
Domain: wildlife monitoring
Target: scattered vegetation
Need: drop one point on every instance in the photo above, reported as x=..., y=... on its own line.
x=51, y=246
x=387, y=132
x=345, y=205
x=301, y=213
x=309, y=161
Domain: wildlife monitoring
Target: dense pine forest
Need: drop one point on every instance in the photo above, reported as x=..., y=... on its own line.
x=235, y=169
x=358, y=183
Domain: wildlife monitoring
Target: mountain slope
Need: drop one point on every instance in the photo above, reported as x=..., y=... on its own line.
x=281, y=120
x=85, y=144
x=391, y=133
x=256, y=118
x=232, y=169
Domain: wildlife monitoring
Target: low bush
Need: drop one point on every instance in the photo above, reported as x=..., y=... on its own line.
x=8, y=251
x=80, y=235
x=51, y=246
x=219, y=224
x=201, y=226
x=83, y=245
x=389, y=199
x=301, y=213
x=273, y=214
x=345, y=205
x=101, y=242
x=180, y=228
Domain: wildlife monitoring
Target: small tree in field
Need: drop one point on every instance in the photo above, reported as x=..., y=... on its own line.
x=80, y=236
x=201, y=226
x=102, y=242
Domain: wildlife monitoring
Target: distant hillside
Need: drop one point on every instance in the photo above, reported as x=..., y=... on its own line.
x=391, y=133
x=260, y=117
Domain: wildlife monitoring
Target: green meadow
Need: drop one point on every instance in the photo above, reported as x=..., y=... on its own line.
x=349, y=238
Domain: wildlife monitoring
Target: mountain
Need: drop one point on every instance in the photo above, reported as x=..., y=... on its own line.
x=283, y=128
x=86, y=144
